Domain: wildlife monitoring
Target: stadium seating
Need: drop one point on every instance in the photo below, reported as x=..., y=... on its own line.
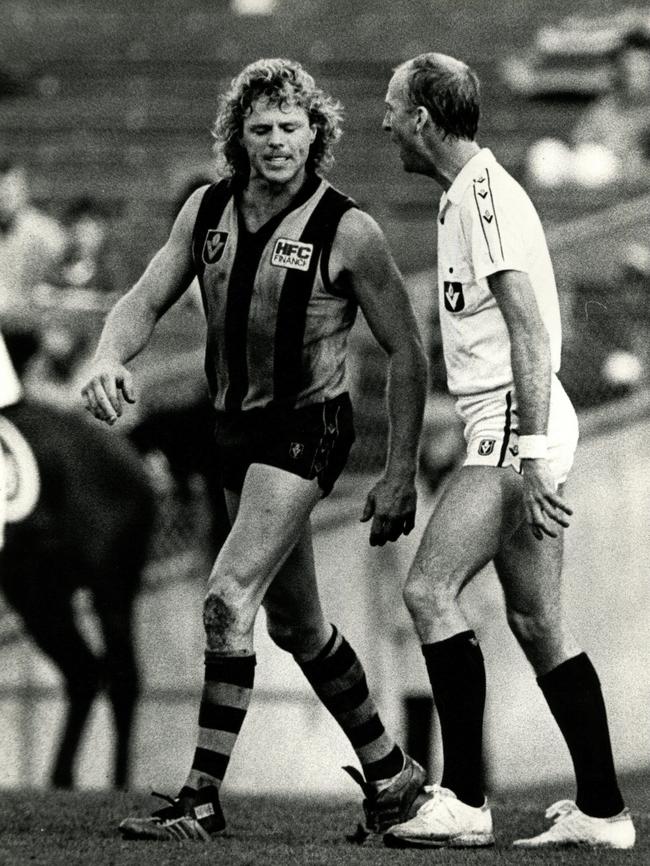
x=121, y=100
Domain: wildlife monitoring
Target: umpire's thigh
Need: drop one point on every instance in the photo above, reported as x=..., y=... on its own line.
x=468, y=525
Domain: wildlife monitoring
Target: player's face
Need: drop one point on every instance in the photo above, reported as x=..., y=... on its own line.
x=277, y=140
x=400, y=121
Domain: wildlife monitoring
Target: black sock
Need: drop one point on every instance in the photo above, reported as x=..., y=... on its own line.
x=572, y=691
x=457, y=675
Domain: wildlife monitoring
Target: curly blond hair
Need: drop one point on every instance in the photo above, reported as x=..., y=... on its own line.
x=283, y=83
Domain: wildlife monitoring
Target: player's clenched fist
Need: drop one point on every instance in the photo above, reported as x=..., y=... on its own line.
x=109, y=384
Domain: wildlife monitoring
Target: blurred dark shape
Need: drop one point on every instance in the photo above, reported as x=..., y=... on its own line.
x=12, y=84
x=91, y=529
x=92, y=258
x=185, y=436
x=611, y=140
x=619, y=121
x=611, y=324
x=55, y=372
x=32, y=245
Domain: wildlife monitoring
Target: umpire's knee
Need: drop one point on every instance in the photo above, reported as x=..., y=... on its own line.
x=533, y=629
x=427, y=595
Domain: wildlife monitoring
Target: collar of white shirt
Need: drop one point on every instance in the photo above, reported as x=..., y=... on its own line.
x=465, y=176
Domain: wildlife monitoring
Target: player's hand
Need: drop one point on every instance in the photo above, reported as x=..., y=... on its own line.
x=108, y=385
x=391, y=505
x=544, y=508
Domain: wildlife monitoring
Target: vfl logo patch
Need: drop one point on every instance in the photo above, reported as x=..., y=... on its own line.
x=296, y=449
x=291, y=254
x=215, y=243
x=454, y=298
x=486, y=447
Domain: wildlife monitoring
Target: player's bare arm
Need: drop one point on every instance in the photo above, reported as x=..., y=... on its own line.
x=130, y=323
x=531, y=368
x=362, y=263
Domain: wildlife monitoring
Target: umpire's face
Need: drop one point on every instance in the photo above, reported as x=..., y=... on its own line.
x=404, y=122
x=277, y=138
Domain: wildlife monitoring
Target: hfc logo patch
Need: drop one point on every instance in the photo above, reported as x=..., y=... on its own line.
x=292, y=254
x=215, y=243
x=454, y=298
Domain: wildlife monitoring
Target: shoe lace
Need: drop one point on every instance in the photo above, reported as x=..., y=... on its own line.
x=438, y=795
x=169, y=812
x=560, y=810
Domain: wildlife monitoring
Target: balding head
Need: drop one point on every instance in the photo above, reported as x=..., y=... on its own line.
x=447, y=88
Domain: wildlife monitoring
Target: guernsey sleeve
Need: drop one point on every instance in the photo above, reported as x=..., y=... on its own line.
x=494, y=218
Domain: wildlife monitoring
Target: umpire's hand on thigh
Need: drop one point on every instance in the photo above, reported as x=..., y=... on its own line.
x=544, y=508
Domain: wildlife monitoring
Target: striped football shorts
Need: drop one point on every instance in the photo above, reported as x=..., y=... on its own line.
x=492, y=430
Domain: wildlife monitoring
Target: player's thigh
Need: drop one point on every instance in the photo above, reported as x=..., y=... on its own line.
x=293, y=593
x=479, y=508
x=294, y=615
x=273, y=510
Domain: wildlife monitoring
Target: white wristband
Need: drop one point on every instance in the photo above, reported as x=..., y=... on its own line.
x=532, y=447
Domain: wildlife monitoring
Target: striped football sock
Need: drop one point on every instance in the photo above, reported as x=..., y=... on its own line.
x=224, y=702
x=337, y=677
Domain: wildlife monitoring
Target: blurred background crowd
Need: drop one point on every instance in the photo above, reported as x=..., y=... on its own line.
x=105, y=117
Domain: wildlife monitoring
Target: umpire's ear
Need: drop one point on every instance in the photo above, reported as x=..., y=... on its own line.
x=422, y=118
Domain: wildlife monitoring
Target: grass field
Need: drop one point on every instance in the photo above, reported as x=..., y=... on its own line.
x=53, y=828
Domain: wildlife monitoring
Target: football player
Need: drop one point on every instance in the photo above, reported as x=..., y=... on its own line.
x=283, y=260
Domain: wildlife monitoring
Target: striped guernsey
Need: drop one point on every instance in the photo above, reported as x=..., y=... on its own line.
x=277, y=328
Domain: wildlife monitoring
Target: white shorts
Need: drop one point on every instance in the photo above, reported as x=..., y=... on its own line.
x=492, y=430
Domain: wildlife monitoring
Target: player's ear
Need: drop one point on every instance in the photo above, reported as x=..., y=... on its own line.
x=314, y=132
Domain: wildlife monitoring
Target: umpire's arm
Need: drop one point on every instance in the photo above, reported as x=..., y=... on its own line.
x=531, y=369
x=361, y=262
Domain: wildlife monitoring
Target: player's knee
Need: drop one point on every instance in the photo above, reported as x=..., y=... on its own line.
x=291, y=637
x=223, y=622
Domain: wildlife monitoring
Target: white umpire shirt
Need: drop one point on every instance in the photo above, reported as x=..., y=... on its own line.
x=487, y=224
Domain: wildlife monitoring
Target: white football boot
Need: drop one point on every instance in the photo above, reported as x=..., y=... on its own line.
x=572, y=827
x=443, y=821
